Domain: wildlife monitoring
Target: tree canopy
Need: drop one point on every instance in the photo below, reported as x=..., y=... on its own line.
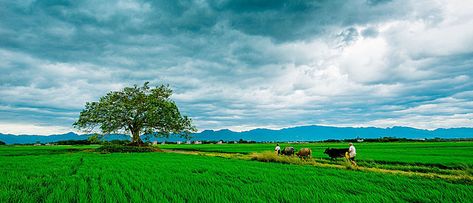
x=136, y=110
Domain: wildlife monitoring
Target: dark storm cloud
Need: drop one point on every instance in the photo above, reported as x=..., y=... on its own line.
x=240, y=64
x=79, y=30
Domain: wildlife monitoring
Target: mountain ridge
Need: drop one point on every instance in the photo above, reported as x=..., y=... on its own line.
x=297, y=133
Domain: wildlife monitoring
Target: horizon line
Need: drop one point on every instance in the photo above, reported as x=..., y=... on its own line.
x=256, y=128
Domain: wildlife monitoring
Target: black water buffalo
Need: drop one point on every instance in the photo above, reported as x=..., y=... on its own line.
x=289, y=151
x=336, y=153
x=304, y=153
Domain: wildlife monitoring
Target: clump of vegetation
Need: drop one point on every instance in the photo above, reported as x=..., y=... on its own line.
x=269, y=156
x=2, y=143
x=95, y=139
x=125, y=149
x=117, y=142
x=242, y=141
x=73, y=142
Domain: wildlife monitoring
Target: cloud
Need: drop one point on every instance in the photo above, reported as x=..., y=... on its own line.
x=28, y=129
x=242, y=64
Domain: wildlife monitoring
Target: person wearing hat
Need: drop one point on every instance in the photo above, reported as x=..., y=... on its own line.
x=352, y=154
x=277, y=150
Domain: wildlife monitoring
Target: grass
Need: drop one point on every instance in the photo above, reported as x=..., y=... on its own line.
x=85, y=176
x=459, y=176
x=431, y=154
x=28, y=150
x=444, y=158
x=125, y=149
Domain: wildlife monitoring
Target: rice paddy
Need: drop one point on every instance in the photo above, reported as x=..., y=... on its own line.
x=448, y=154
x=78, y=174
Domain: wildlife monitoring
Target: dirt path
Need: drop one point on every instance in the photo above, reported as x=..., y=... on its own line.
x=456, y=176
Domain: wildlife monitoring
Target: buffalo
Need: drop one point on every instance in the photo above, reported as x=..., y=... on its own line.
x=289, y=151
x=304, y=153
x=336, y=153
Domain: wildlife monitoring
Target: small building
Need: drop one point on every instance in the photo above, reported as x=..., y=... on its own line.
x=188, y=142
x=178, y=142
x=360, y=140
x=163, y=143
x=197, y=142
x=155, y=142
x=220, y=142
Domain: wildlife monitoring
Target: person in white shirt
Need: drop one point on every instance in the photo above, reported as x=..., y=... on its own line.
x=277, y=150
x=352, y=154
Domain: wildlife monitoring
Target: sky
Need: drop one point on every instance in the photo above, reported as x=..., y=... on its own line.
x=241, y=64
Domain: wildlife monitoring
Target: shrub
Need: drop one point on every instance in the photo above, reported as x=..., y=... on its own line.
x=2, y=143
x=125, y=149
x=95, y=139
x=117, y=142
x=72, y=142
x=269, y=156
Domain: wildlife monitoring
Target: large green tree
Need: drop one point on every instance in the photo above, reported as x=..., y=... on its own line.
x=136, y=110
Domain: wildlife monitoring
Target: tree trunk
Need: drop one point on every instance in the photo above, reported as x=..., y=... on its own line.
x=135, y=139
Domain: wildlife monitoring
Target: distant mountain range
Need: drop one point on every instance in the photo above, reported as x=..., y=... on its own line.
x=29, y=139
x=301, y=133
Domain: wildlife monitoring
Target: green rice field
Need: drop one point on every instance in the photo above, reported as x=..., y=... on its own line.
x=435, y=153
x=78, y=174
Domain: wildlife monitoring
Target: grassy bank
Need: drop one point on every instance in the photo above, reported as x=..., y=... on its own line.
x=432, y=154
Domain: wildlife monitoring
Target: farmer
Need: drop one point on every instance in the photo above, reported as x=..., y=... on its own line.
x=352, y=154
x=277, y=150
